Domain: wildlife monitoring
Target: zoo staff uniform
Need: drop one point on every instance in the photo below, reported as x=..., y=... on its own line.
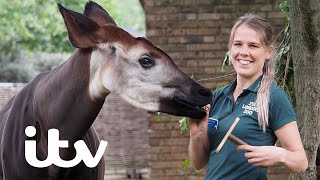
x=229, y=163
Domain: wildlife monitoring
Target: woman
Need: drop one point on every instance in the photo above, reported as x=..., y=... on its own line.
x=264, y=109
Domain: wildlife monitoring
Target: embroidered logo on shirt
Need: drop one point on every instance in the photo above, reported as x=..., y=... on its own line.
x=213, y=123
x=249, y=108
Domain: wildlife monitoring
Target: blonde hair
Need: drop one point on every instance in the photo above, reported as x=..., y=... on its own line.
x=263, y=28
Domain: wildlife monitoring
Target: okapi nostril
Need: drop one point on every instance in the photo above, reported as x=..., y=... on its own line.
x=205, y=92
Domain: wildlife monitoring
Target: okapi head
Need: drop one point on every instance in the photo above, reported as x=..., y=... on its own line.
x=132, y=67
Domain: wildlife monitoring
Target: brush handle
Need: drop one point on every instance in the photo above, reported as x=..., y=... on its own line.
x=236, y=140
x=227, y=135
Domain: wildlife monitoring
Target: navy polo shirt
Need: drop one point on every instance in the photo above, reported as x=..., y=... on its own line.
x=229, y=163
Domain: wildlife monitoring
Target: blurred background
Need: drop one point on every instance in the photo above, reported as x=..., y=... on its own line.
x=34, y=39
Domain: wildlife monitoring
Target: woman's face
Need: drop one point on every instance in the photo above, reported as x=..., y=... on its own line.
x=248, y=53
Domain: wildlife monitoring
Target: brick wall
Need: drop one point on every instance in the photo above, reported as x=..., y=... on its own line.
x=195, y=34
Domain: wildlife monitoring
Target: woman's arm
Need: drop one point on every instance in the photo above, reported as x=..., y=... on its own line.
x=199, y=150
x=291, y=155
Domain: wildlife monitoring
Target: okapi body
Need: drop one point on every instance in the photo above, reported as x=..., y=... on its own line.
x=69, y=98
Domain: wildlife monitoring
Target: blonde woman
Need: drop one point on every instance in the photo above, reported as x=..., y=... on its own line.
x=264, y=109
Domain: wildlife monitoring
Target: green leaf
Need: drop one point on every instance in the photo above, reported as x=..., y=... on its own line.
x=284, y=7
x=158, y=117
x=186, y=164
x=196, y=171
x=226, y=62
x=286, y=49
x=184, y=124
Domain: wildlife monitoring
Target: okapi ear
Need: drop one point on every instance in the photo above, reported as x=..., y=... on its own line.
x=81, y=29
x=95, y=12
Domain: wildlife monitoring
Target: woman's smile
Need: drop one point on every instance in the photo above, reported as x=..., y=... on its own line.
x=244, y=62
x=248, y=53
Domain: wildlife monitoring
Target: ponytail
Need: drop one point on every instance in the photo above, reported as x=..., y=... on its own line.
x=263, y=95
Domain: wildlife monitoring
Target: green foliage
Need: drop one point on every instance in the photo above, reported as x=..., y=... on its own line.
x=283, y=59
x=22, y=66
x=284, y=7
x=15, y=67
x=47, y=61
x=31, y=31
x=186, y=164
x=225, y=62
x=38, y=26
x=158, y=117
x=184, y=124
x=27, y=24
x=130, y=15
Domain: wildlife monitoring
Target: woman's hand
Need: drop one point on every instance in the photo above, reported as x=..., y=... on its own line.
x=199, y=145
x=199, y=126
x=291, y=154
x=263, y=156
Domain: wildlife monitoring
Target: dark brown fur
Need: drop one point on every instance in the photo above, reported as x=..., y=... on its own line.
x=57, y=99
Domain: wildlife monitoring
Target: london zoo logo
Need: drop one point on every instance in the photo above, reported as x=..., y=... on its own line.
x=250, y=108
x=82, y=151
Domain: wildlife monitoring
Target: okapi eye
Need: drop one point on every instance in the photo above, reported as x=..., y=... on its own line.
x=146, y=62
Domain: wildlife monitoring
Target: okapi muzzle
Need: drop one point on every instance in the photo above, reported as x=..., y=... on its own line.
x=187, y=100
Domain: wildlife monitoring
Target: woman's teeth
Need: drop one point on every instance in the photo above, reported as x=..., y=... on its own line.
x=244, y=62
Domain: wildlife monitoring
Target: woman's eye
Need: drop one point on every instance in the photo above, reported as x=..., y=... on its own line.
x=146, y=62
x=253, y=46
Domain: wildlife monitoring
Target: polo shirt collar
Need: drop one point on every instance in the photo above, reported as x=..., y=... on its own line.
x=231, y=87
x=253, y=88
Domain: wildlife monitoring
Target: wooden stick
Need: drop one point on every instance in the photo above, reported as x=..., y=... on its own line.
x=236, y=140
x=227, y=135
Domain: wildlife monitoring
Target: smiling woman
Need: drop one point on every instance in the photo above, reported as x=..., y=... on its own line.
x=248, y=54
x=264, y=109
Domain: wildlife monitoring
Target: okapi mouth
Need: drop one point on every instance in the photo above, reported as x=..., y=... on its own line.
x=192, y=110
x=180, y=107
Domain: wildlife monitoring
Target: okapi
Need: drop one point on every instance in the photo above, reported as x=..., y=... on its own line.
x=69, y=98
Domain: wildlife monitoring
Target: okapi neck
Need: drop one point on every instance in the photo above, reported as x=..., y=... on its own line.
x=63, y=101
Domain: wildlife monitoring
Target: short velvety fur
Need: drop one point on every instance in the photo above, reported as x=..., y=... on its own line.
x=57, y=99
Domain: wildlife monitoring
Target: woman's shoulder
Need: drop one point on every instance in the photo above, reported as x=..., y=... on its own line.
x=278, y=94
x=280, y=108
x=276, y=90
